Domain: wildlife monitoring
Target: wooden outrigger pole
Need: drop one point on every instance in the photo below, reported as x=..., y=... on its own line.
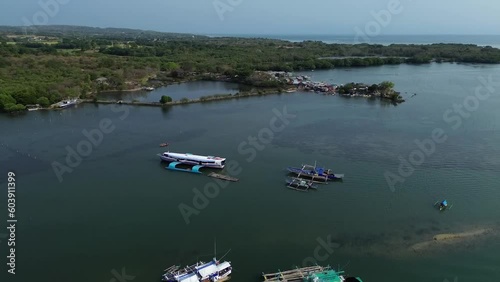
x=297, y=189
x=314, y=177
x=172, y=268
x=295, y=179
x=300, y=184
x=298, y=176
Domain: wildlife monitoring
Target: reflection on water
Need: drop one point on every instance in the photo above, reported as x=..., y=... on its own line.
x=190, y=90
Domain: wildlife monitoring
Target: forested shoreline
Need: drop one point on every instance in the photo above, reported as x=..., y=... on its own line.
x=55, y=63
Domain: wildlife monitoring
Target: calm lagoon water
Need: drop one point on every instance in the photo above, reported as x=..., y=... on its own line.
x=119, y=207
x=190, y=90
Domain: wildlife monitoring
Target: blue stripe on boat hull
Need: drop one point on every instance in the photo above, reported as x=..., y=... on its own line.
x=187, y=162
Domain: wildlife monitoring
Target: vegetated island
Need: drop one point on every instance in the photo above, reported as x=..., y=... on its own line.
x=383, y=91
x=46, y=64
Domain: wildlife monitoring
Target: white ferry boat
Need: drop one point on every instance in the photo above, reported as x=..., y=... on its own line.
x=213, y=271
x=35, y=107
x=190, y=159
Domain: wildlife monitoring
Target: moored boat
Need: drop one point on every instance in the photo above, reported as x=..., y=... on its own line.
x=315, y=173
x=67, y=103
x=200, y=272
x=190, y=159
x=35, y=107
x=300, y=184
x=443, y=205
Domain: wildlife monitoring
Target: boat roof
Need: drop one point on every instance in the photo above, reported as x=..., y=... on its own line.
x=207, y=269
x=191, y=278
x=223, y=265
x=193, y=157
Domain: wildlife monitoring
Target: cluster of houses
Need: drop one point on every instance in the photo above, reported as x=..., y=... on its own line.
x=357, y=90
x=318, y=87
x=303, y=82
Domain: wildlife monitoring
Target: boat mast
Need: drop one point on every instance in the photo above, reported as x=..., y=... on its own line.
x=215, y=248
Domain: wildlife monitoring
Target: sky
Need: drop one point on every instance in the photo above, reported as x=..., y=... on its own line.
x=264, y=16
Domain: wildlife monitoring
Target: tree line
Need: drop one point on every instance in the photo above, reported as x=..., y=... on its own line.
x=40, y=73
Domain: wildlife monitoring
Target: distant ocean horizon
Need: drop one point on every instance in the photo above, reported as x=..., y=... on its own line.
x=481, y=40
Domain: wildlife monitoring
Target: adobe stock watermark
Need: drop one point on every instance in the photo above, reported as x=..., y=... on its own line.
x=48, y=9
x=223, y=6
x=92, y=138
x=121, y=276
x=380, y=20
x=201, y=199
x=321, y=252
x=454, y=280
x=454, y=117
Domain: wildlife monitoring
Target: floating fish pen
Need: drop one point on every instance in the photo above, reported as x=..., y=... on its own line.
x=298, y=274
x=310, y=274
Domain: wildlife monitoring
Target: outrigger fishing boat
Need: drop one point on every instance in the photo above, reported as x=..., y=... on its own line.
x=317, y=174
x=300, y=184
x=67, y=103
x=213, y=271
x=310, y=274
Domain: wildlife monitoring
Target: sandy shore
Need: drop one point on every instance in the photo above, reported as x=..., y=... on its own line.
x=417, y=241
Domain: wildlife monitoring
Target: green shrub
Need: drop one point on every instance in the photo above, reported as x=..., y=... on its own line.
x=165, y=99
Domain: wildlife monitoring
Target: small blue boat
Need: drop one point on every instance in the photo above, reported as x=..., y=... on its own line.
x=443, y=205
x=194, y=169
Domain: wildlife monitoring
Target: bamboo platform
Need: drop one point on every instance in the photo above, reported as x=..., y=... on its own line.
x=223, y=177
x=294, y=275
